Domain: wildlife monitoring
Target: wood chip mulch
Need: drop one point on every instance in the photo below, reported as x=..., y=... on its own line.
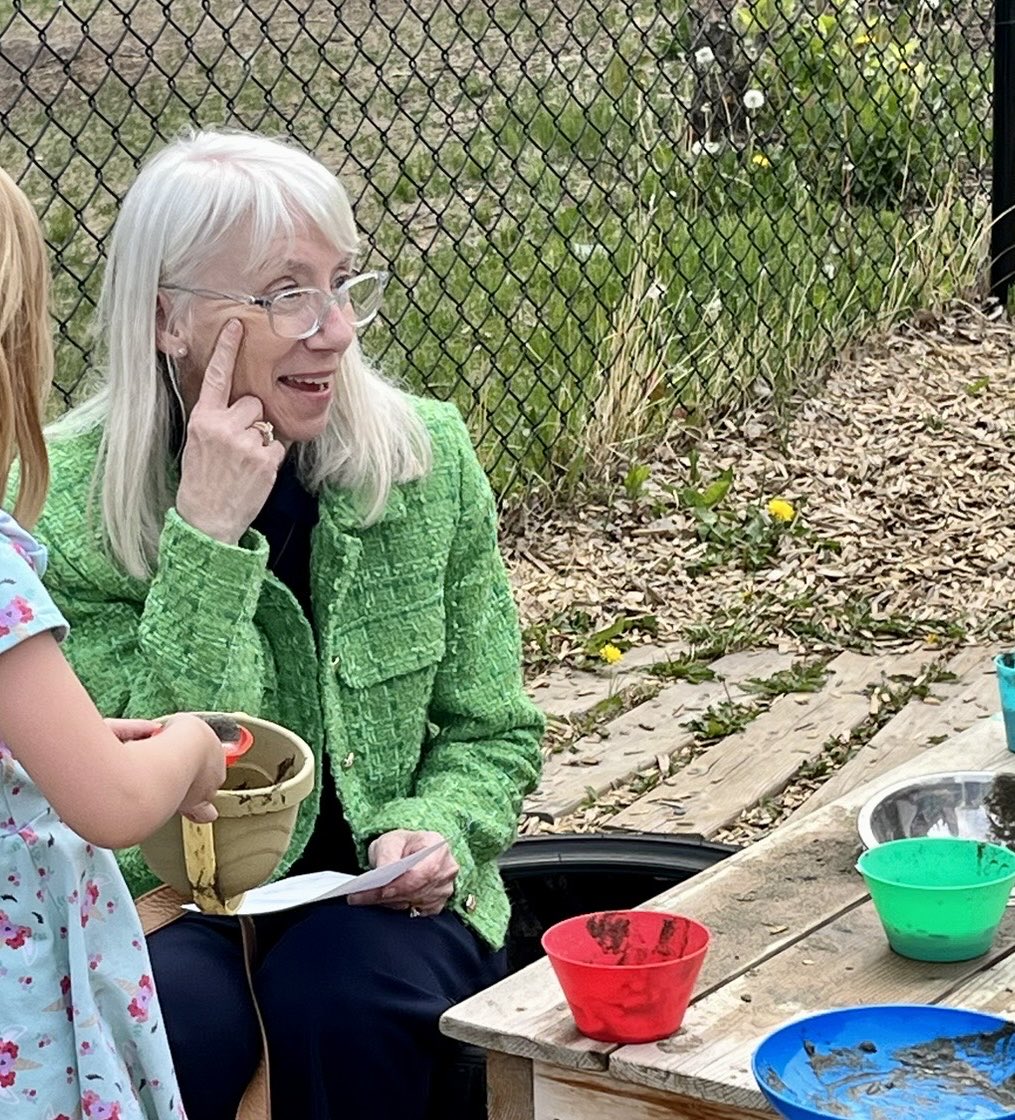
x=898, y=469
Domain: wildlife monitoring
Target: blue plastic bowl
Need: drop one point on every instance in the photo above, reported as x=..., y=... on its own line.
x=895, y=1062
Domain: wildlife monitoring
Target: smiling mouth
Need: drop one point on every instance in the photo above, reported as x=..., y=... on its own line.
x=307, y=384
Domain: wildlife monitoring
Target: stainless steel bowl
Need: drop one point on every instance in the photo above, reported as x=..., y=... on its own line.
x=955, y=804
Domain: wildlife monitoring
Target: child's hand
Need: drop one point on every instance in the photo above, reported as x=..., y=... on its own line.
x=129, y=730
x=196, y=804
x=204, y=813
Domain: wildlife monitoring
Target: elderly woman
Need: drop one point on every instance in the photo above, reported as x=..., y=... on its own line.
x=246, y=517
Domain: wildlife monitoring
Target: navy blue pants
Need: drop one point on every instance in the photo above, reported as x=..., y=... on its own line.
x=350, y=998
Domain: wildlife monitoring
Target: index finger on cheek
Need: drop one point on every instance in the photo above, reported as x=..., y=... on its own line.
x=217, y=386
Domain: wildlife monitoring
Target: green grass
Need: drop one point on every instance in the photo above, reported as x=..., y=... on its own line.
x=566, y=268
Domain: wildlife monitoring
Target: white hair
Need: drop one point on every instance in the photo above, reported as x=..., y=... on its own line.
x=185, y=206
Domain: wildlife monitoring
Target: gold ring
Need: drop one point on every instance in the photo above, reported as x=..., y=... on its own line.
x=267, y=430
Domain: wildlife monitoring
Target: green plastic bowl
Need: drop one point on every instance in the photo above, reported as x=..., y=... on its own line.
x=939, y=899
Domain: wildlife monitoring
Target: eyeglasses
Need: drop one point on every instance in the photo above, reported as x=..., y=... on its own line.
x=299, y=312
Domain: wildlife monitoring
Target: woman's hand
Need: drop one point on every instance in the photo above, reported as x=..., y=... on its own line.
x=423, y=889
x=227, y=471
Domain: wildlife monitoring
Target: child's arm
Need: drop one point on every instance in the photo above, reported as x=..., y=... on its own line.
x=111, y=793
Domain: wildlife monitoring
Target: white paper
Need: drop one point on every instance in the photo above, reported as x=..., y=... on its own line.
x=301, y=889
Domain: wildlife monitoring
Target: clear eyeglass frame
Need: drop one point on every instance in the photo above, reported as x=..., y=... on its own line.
x=298, y=313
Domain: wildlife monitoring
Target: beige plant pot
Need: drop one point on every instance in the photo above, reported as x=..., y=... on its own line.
x=214, y=864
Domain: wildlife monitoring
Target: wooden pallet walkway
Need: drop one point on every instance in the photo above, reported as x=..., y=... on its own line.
x=596, y=763
x=712, y=790
x=956, y=705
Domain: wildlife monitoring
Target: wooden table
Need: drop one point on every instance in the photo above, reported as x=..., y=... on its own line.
x=793, y=931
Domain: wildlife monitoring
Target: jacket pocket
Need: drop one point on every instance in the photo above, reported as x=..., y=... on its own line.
x=383, y=647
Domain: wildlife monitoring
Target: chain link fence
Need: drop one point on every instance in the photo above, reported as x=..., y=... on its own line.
x=601, y=215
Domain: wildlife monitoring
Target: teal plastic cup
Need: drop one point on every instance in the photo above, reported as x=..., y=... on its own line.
x=939, y=899
x=1006, y=687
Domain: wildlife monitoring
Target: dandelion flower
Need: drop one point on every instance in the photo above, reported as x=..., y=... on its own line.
x=704, y=56
x=760, y=160
x=753, y=100
x=781, y=510
x=862, y=40
x=610, y=654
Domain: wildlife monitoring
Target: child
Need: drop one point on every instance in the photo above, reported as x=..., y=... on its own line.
x=81, y=1036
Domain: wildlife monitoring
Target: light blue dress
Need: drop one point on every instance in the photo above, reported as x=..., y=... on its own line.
x=81, y=1035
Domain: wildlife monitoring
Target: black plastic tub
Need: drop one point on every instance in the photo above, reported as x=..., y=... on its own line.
x=550, y=878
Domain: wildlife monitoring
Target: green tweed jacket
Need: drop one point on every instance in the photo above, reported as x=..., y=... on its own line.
x=415, y=691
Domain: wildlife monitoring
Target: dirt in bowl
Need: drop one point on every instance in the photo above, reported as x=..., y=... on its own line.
x=1000, y=807
x=673, y=938
x=609, y=931
x=226, y=728
x=285, y=769
x=857, y=1085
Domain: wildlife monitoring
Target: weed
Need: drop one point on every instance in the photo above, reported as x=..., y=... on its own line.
x=562, y=733
x=694, y=670
x=635, y=479
x=801, y=676
x=729, y=632
x=614, y=634
x=720, y=720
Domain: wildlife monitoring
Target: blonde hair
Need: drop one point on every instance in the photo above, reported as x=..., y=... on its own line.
x=26, y=350
x=186, y=205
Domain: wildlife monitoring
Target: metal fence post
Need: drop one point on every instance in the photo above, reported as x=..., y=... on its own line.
x=1002, y=233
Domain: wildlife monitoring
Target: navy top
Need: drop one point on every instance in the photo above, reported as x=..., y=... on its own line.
x=287, y=521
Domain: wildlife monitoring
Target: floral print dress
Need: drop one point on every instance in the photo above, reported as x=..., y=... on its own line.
x=81, y=1036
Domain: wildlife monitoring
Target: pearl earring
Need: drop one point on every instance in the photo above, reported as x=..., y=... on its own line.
x=181, y=351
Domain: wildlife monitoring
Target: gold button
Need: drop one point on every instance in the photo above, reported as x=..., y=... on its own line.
x=349, y=759
x=470, y=904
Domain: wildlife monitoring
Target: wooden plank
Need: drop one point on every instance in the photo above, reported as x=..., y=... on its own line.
x=753, y=906
x=713, y=790
x=962, y=703
x=572, y=692
x=844, y=963
x=508, y=1087
x=992, y=992
x=526, y=1014
x=635, y=738
x=569, y=1095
